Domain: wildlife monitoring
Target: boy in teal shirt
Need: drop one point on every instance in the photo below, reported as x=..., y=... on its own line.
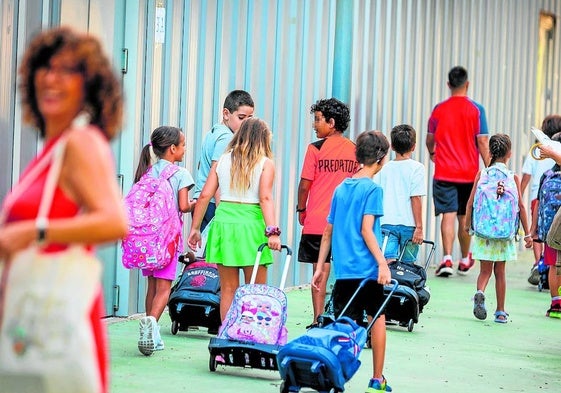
x=238, y=106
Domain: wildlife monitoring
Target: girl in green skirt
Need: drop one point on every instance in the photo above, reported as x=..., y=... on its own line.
x=245, y=217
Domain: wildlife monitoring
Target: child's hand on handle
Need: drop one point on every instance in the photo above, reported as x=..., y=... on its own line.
x=418, y=236
x=384, y=275
x=274, y=242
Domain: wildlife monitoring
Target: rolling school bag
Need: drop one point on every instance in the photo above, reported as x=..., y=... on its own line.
x=195, y=298
x=325, y=358
x=254, y=327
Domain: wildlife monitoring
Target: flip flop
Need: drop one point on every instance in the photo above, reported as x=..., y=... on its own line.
x=501, y=317
x=479, y=309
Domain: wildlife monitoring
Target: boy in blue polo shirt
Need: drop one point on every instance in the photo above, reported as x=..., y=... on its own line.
x=352, y=232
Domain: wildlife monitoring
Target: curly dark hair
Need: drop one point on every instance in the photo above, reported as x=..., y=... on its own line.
x=332, y=108
x=102, y=91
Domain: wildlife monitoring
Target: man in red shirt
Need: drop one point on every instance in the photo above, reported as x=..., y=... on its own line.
x=457, y=136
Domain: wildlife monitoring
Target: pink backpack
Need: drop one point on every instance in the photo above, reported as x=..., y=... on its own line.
x=154, y=237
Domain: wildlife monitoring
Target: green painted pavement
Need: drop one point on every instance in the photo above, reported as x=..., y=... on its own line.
x=448, y=351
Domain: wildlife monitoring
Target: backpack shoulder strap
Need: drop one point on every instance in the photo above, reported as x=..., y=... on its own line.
x=169, y=171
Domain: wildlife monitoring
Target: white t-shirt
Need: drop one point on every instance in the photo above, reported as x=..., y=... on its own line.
x=536, y=169
x=250, y=195
x=401, y=180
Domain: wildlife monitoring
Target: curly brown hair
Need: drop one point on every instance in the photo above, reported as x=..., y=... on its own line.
x=103, y=99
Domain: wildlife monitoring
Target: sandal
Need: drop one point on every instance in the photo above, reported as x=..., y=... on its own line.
x=501, y=317
x=479, y=310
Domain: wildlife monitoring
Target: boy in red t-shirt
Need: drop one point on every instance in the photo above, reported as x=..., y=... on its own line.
x=327, y=162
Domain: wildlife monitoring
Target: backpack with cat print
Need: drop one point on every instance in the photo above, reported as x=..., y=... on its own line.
x=154, y=235
x=549, y=196
x=495, y=206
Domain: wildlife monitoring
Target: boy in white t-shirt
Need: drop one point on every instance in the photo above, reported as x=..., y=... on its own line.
x=404, y=183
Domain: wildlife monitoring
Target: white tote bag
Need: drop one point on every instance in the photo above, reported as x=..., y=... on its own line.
x=46, y=339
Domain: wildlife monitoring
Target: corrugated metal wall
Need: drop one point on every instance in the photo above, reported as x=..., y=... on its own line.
x=282, y=52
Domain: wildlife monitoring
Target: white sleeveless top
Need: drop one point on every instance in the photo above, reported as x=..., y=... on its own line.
x=227, y=194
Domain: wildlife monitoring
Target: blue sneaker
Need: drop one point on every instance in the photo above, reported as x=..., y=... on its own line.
x=377, y=385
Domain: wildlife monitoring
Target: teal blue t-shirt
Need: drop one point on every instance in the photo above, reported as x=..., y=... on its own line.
x=352, y=200
x=180, y=179
x=214, y=145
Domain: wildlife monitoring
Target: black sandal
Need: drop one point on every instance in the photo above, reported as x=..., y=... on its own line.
x=312, y=325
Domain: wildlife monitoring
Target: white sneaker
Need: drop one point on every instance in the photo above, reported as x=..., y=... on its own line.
x=158, y=339
x=146, y=342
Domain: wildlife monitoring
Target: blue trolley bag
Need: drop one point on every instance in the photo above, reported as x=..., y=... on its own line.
x=325, y=358
x=195, y=298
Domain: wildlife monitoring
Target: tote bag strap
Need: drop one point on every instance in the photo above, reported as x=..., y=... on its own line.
x=52, y=180
x=44, y=205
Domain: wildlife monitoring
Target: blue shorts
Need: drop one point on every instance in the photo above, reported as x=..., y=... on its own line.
x=397, y=239
x=450, y=197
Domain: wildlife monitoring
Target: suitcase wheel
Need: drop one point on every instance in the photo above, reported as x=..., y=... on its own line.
x=212, y=363
x=410, y=325
x=174, y=327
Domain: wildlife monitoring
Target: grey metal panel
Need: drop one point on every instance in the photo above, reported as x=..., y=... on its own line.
x=282, y=52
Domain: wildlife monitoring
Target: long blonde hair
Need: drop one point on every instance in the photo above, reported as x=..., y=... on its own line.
x=249, y=145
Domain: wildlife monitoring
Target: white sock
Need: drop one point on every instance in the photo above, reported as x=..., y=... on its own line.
x=447, y=258
x=465, y=261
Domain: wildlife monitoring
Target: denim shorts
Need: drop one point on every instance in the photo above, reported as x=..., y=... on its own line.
x=450, y=197
x=397, y=237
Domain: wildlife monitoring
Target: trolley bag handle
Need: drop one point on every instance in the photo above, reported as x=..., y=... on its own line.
x=393, y=287
x=284, y=270
x=429, y=257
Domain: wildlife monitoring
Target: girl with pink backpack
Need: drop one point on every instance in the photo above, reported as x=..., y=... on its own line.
x=155, y=205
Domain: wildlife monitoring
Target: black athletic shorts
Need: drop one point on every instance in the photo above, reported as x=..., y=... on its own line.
x=450, y=197
x=370, y=298
x=308, y=251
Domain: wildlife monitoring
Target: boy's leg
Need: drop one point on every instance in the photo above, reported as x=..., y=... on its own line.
x=318, y=295
x=378, y=337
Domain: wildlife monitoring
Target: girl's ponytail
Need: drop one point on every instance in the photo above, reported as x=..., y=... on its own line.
x=143, y=162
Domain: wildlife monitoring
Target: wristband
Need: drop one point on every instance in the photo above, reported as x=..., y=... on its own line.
x=272, y=231
x=298, y=210
x=528, y=237
x=41, y=224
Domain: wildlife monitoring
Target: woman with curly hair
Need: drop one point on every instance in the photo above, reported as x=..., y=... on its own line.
x=69, y=94
x=245, y=217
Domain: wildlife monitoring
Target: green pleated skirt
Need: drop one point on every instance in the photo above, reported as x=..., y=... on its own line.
x=236, y=232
